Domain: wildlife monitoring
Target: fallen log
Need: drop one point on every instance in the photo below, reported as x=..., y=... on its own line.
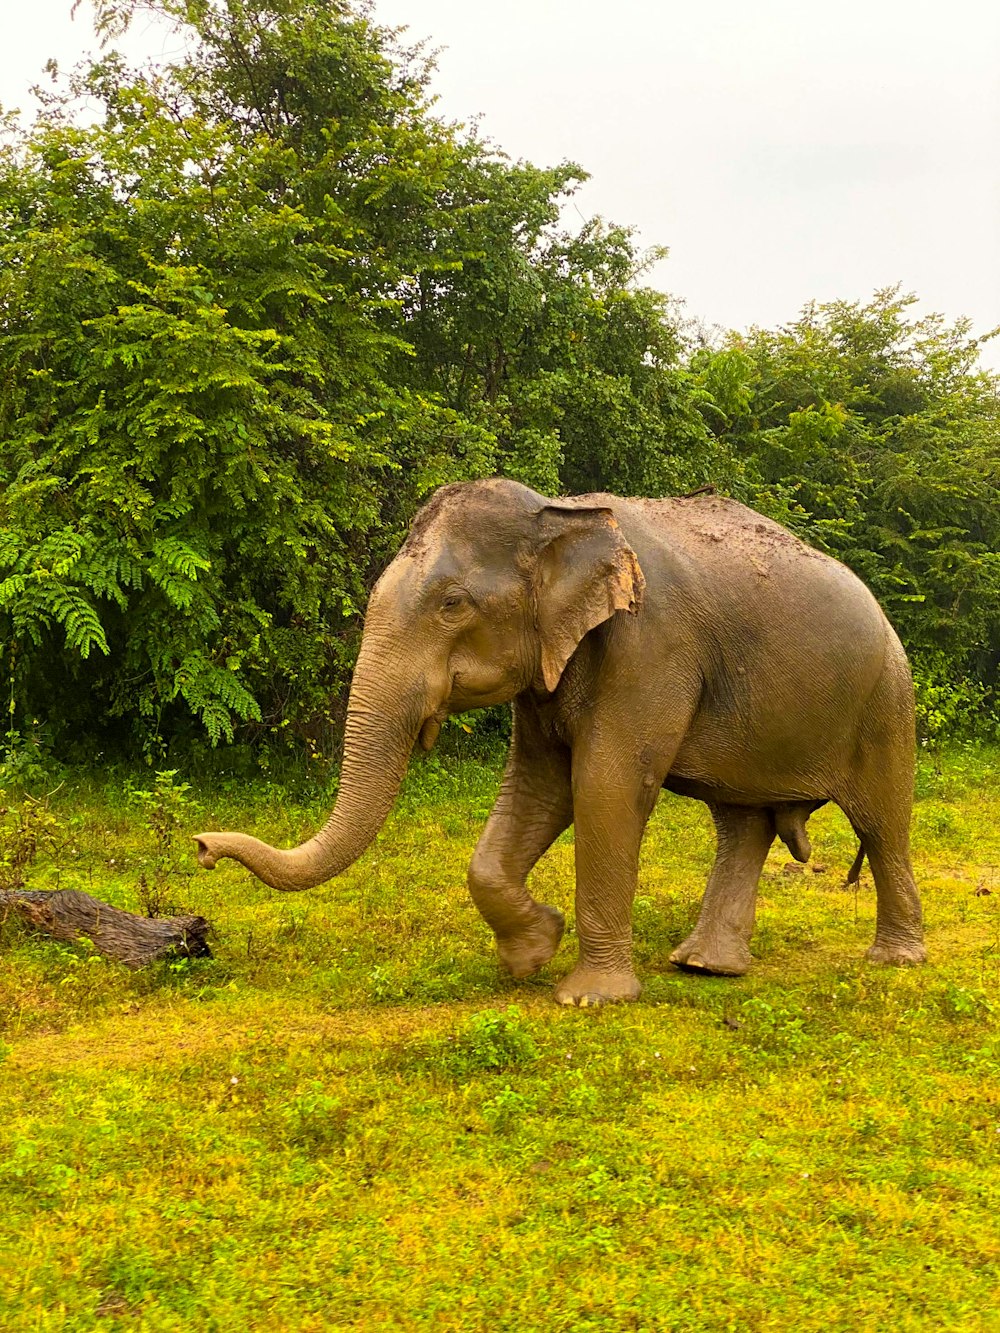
x=66, y=914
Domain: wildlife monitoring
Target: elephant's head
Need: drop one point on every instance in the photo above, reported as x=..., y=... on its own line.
x=491, y=593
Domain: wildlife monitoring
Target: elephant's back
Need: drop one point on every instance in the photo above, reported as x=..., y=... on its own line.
x=749, y=566
x=792, y=645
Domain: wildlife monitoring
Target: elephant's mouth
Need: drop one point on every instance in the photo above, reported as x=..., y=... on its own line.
x=469, y=691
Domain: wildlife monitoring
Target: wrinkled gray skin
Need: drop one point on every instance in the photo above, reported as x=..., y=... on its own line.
x=685, y=643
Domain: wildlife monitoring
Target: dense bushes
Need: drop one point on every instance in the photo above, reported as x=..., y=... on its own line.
x=267, y=301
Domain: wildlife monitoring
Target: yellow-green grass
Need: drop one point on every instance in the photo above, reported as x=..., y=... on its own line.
x=349, y=1119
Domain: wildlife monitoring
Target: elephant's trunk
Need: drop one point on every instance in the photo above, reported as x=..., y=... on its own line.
x=377, y=744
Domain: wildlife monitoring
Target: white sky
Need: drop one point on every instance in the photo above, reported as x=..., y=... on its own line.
x=783, y=149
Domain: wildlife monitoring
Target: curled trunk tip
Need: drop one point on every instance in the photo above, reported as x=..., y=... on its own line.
x=207, y=853
x=384, y=716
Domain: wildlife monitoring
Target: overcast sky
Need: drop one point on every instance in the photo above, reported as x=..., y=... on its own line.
x=784, y=150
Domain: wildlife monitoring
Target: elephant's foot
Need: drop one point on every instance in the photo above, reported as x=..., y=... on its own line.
x=590, y=986
x=523, y=954
x=895, y=954
x=723, y=955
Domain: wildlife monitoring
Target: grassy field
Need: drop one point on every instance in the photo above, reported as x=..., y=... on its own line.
x=348, y=1119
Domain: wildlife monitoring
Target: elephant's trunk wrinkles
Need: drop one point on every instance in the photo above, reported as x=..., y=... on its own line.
x=377, y=747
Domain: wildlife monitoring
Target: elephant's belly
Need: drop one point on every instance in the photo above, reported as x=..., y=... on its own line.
x=761, y=793
x=768, y=742
x=766, y=771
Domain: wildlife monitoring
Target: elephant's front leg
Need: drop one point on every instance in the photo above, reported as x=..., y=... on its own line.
x=612, y=801
x=534, y=806
x=720, y=942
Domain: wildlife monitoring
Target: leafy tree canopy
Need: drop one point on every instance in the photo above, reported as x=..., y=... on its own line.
x=252, y=314
x=256, y=304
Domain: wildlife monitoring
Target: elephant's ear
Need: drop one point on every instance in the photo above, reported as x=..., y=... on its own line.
x=586, y=571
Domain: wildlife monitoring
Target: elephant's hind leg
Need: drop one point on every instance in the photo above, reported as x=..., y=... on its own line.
x=720, y=942
x=534, y=806
x=885, y=839
x=899, y=936
x=879, y=804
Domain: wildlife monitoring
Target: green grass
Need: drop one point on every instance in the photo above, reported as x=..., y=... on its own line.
x=348, y=1119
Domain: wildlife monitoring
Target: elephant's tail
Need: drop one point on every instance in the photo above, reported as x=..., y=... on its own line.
x=854, y=874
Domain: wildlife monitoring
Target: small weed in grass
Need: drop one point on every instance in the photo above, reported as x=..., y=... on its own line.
x=506, y=1109
x=165, y=809
x=316, y=1121
x=489, y=1042
x=493, y=1041
x=28, y=828
x=962, y=1004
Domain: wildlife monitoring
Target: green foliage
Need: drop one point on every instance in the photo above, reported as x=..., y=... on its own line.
x=28, y=828
x=254, y=311
x=504, y=1111
x=257, y=304
x=962, y=1004
x=315, y=1122
x=495, y=1040
x=165, y=809
x=491, y=1041
x=947, y=704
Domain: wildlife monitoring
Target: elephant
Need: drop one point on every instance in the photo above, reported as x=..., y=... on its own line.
x=685, y=643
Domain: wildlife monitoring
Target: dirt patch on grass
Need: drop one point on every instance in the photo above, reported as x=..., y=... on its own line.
x=174, y=1037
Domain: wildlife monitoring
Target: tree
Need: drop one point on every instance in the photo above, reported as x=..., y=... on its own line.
x=251, y=316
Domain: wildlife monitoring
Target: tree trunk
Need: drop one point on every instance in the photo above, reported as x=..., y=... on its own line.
x=66, y=914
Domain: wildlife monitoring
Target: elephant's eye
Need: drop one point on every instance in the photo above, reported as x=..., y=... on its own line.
x=451, y=601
